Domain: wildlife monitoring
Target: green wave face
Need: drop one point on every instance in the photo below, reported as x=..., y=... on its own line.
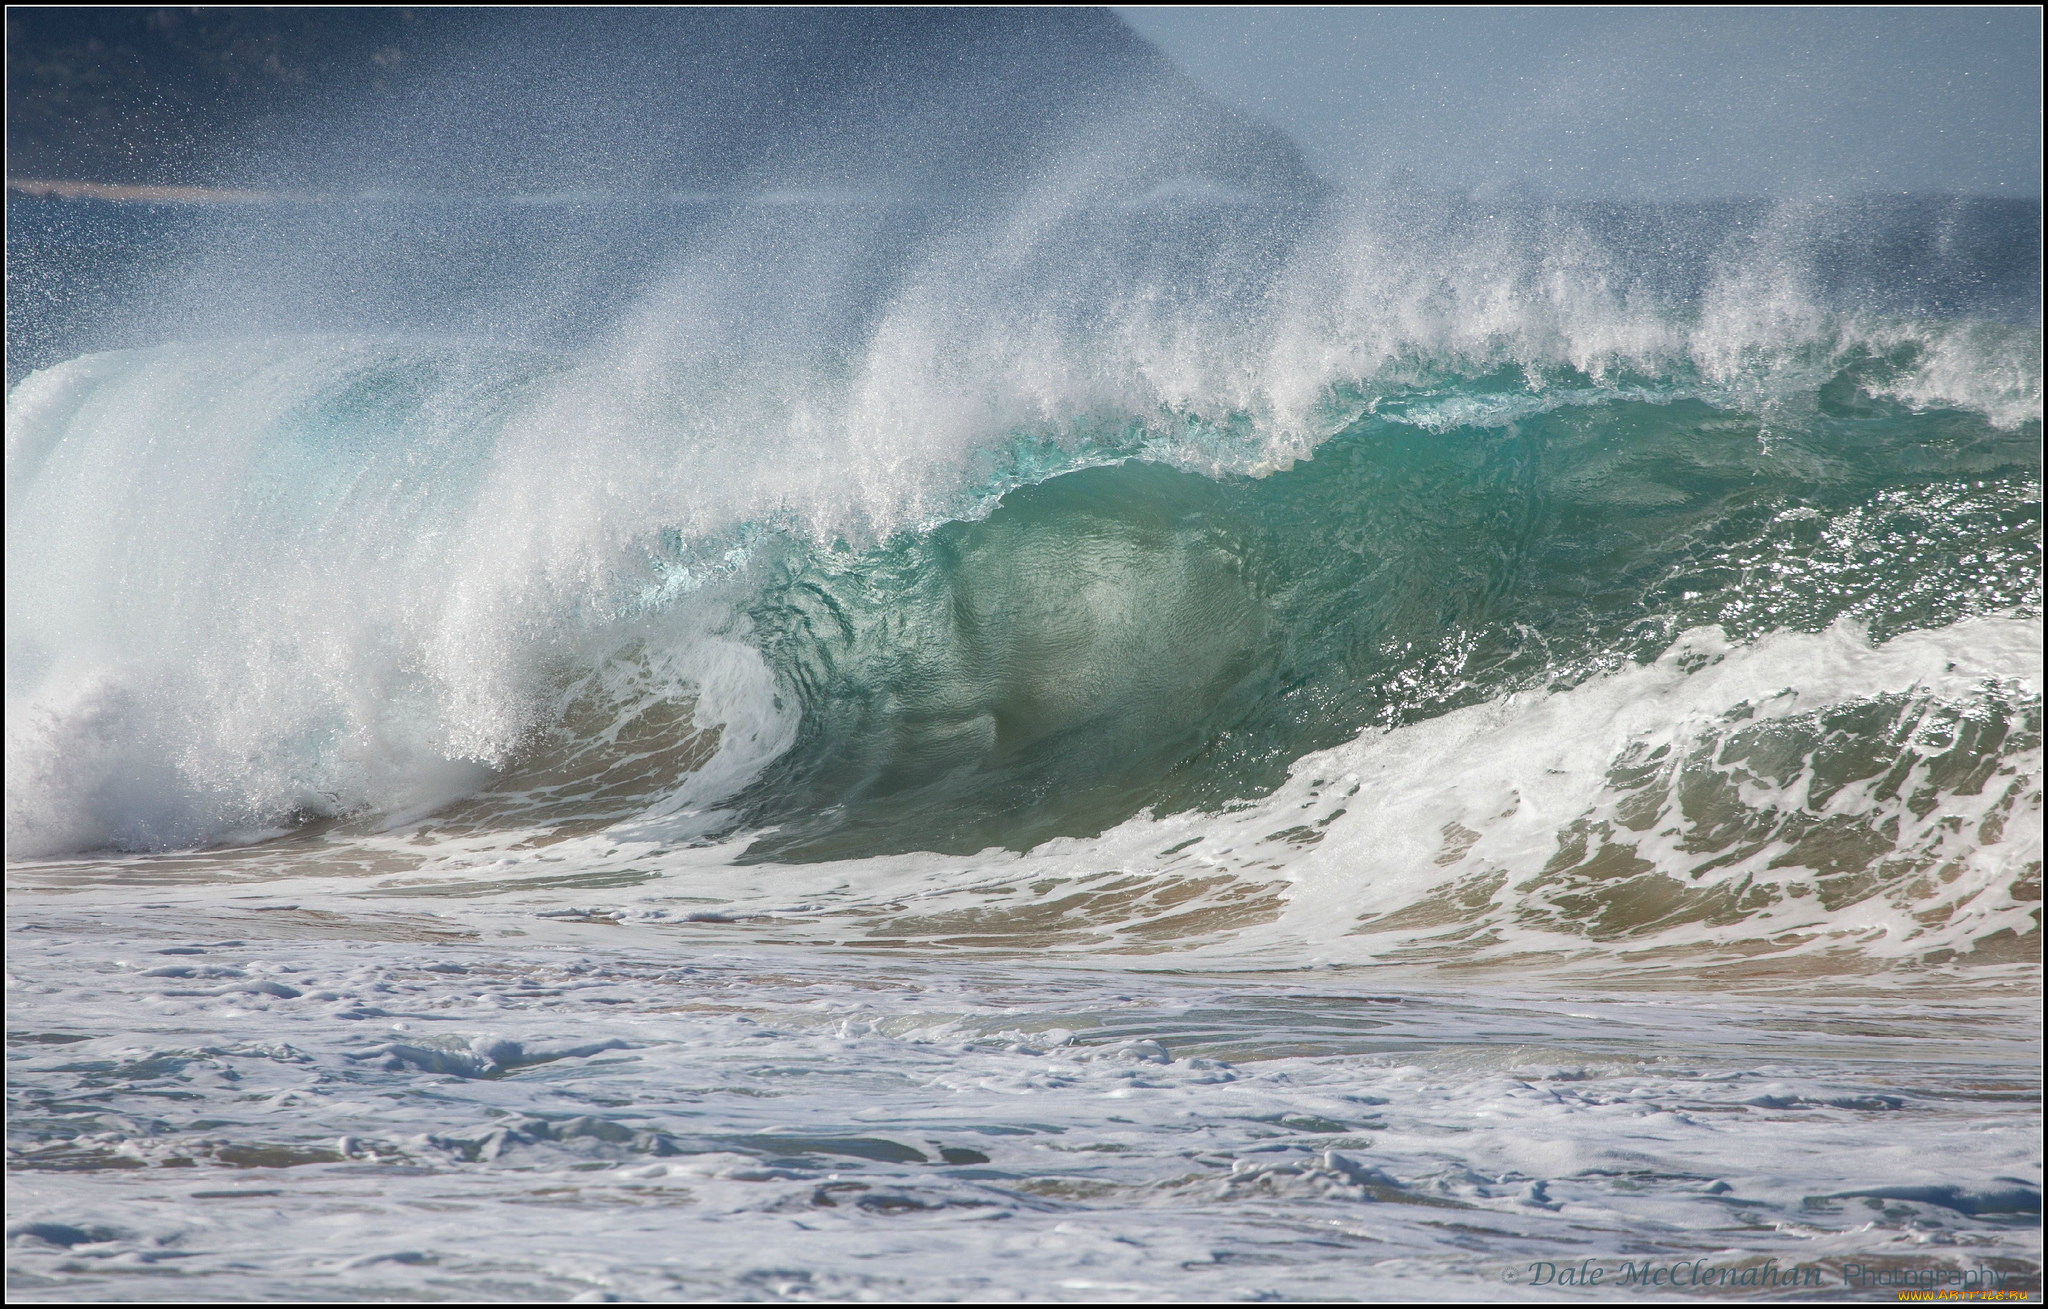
x=1137, y=636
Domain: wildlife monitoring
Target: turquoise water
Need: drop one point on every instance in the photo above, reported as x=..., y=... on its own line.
x=1138, y=635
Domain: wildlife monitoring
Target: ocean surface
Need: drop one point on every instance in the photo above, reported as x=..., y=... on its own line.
x=1157, y=746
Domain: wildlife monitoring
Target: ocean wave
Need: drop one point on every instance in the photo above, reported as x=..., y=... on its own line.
x=1006, y=536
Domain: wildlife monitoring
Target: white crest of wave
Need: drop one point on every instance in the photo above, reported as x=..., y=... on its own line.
x=249, y=585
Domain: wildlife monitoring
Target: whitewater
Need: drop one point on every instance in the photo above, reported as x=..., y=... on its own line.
x=1147, y=729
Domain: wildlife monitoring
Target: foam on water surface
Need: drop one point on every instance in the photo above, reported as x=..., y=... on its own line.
x=581, y=1112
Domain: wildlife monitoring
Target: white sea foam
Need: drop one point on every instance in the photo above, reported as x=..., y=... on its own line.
x=1705, y=810
x=1586, y=824
x=356, y=1103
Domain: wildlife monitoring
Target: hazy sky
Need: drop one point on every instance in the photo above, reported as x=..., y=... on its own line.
x=1637, y=103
